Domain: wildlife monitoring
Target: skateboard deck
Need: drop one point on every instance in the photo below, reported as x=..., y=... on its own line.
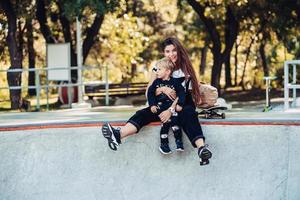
x=213, y=112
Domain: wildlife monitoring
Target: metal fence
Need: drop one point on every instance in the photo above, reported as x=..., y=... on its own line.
x=38, y=87
x=290, y=85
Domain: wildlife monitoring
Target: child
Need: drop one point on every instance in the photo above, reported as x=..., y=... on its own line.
x=162, y=102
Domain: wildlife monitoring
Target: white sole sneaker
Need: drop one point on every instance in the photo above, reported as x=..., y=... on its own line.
x=165, y=153
x=180, y=150
x=108, y=133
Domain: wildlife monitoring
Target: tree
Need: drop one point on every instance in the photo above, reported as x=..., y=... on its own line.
x=31, y=55
x=231, y=30
x=196, y=39
x=287, y=23
x=14, y=42
x=65, y=11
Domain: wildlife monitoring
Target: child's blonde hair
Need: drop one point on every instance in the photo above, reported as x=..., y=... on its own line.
x=165, y=63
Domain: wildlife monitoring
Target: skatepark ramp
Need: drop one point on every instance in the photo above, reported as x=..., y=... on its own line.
x=250, y=162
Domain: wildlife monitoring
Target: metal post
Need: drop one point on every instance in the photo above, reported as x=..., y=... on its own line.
x=79, y=61
x=106, y=86
x=294, y=82
x=70, y=91
x=268, y=106
x=286, y=89
x=38, y=89
x=267, y=92
x=47, y=89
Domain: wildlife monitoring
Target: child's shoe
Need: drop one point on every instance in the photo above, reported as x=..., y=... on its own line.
x=179, y=145
x=165, y=149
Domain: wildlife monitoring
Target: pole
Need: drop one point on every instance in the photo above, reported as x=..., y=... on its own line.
x=38, y=89
x=79, y=61
x=286, y=88
x=106, y=86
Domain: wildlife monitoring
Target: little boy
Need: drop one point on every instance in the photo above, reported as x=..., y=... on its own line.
x=162, y=102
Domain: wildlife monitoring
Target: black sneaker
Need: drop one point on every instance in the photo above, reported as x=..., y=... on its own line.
x=179, y=145
x=112, y=135
x=165, y=149
x=204, y=155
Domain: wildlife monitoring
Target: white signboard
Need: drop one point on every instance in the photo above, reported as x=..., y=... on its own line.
x=58, y=56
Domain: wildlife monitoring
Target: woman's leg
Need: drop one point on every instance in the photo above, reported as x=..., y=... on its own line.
x=199, y=142
x=133, y=125
x=140, y=119
x=127, y=130
x=188, y=120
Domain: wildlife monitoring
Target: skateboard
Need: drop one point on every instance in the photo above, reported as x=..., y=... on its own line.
x=213, y=112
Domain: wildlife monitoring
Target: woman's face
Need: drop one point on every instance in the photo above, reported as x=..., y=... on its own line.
x=171, y=52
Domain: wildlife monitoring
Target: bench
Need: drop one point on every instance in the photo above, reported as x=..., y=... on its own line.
x=115, y=89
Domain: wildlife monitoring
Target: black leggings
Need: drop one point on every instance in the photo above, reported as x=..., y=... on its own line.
x=188, y=120
x=164, y=131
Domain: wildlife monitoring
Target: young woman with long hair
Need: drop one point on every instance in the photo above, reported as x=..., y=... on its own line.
x=188, y=117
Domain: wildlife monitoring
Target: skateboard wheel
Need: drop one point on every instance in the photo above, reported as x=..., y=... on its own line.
x=223, y=115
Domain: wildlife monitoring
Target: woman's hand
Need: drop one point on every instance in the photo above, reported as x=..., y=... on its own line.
x=165, y=116
x=167, y=91
x=159, y=90
x=178, y=108
x=170, y=93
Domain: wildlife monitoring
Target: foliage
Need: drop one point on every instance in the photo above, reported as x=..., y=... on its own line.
x=74, y=8
x=129, y=36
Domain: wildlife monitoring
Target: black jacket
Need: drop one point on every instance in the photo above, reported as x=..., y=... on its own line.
x=162, y=98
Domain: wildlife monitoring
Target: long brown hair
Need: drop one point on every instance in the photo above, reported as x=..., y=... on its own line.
x=183, y=62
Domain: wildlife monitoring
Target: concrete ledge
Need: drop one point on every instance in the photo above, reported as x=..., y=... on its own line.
x=250, y=122
x=249, y=163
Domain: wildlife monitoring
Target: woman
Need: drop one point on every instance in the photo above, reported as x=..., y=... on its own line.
x=188, y=117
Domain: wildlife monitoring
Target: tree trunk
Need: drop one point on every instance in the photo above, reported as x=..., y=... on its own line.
x=203, y=60
x=133, y=69
x=216, y=70
x=246, y=61
x=227, y=72
x=31, y=57
x=236, y=64
x=42, y=19
x=247, y=55
x=91, y=35
x=263, y=58
x=231, y=32
x=13, y=78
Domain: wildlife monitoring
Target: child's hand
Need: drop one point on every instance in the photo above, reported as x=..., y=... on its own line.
x=178, y=108
x=153, y=109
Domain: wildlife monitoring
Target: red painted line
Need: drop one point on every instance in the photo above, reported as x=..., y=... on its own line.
x=99, y=124
x=253, y=123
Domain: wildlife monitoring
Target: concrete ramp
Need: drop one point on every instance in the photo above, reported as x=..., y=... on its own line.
x=249, y=163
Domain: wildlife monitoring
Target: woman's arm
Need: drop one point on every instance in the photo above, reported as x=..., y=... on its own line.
x=167, y=91
x=166, y=115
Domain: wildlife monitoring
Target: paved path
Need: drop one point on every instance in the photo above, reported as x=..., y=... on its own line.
x=120, y=114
